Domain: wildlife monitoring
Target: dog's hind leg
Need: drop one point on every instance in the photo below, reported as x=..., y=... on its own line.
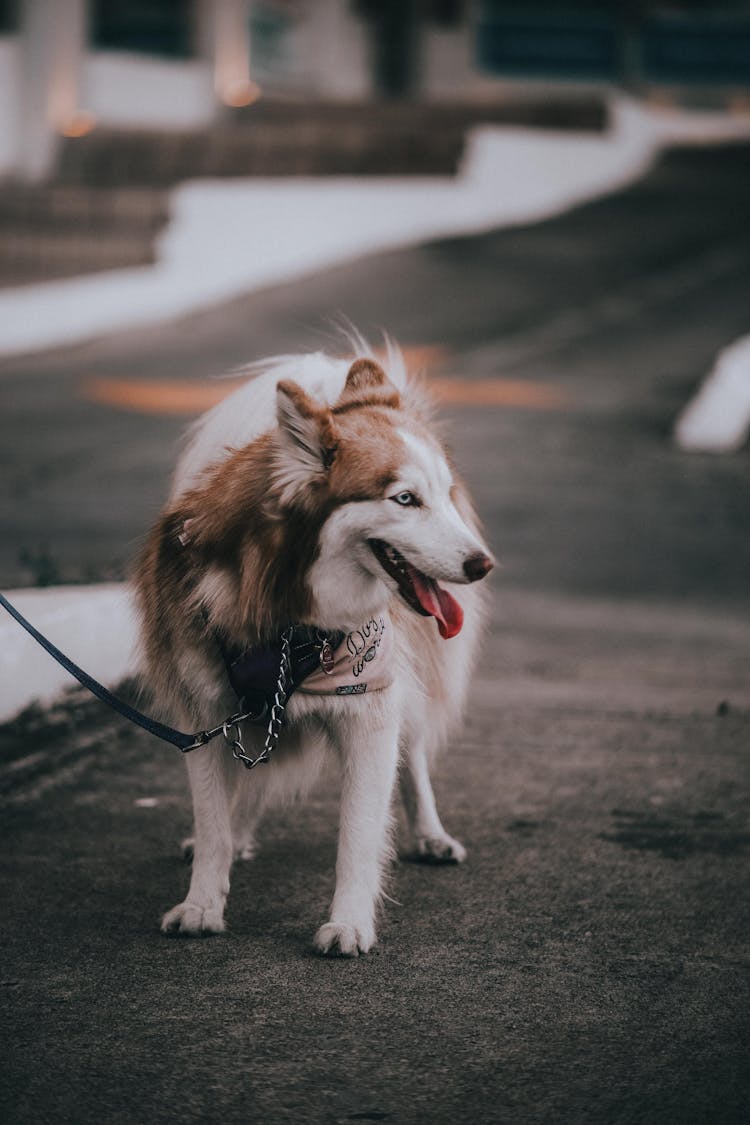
x=369, y=753
x=244, y=823
x=431, y=843
x=202, y=912
x=246, y=810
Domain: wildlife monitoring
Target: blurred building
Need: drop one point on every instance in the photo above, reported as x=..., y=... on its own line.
x=68, y=66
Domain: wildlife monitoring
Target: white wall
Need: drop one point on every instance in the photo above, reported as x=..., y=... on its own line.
x=10, y=102
x=53, y=34
x=124, y=89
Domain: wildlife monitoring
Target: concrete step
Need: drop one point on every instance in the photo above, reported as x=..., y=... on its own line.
x=27, y=256
x=297, y=149
x=58, y=206
x=60, y=230
x=287, y=138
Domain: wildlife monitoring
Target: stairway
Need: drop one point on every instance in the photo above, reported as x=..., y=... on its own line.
x=319, y=139
x=59, y=230
x=110, y=195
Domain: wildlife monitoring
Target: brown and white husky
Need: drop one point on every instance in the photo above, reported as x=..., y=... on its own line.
x=317, y=496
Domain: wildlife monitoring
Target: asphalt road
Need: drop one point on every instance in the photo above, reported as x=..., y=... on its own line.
x=589, y=962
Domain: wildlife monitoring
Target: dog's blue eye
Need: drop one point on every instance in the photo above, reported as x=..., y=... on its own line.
x=406, y=499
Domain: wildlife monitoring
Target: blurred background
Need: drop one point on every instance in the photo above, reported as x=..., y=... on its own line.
x=103, y=103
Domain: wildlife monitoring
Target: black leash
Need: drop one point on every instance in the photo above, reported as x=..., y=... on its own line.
x=184, y=742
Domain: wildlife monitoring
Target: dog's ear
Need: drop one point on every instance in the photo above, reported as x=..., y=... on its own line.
x=367, y=384
x=365, y=373
x=307, y=427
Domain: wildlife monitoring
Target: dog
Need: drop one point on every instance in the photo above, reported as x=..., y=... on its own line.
x=315, y=503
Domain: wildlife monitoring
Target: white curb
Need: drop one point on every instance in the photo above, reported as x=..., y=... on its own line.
x=94, y=625
x=717, y=419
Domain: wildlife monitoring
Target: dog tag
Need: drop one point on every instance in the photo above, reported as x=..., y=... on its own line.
x=326, y=658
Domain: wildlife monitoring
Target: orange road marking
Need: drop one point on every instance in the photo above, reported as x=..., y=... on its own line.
x=419, y=357
x=185, y=397
x=176, y=397
x=158, y=396
x=518, y=393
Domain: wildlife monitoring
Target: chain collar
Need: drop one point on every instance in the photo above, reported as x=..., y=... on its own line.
x=231, y=728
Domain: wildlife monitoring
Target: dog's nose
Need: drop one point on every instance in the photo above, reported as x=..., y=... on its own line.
x=476, y=566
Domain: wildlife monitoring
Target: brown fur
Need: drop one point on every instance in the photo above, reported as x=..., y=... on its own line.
x=233, y=521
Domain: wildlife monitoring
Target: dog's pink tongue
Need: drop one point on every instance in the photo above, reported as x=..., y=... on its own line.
x=438, y=603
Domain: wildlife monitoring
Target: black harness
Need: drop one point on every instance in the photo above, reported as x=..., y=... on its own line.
x=253, y=672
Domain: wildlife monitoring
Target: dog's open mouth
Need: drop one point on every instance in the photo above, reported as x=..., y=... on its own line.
x=423, y=594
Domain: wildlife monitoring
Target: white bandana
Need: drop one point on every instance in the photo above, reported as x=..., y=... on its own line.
x=362, y=662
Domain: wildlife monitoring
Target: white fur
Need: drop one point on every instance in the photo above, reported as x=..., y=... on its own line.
x=251, y=410
x=365, y=734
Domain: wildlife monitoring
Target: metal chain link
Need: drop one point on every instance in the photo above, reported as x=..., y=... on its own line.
x=275, y=718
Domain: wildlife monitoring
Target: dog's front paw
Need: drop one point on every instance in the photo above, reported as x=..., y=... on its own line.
x=193, y=920
x=340, y=939
x=440, y=849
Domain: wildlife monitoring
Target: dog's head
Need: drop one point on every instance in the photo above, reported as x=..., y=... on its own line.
x=373, y=479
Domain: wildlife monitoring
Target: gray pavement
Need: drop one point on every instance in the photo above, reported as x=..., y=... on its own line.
x=589, y=962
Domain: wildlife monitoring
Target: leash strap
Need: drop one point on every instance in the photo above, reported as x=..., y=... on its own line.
x=178, y=738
